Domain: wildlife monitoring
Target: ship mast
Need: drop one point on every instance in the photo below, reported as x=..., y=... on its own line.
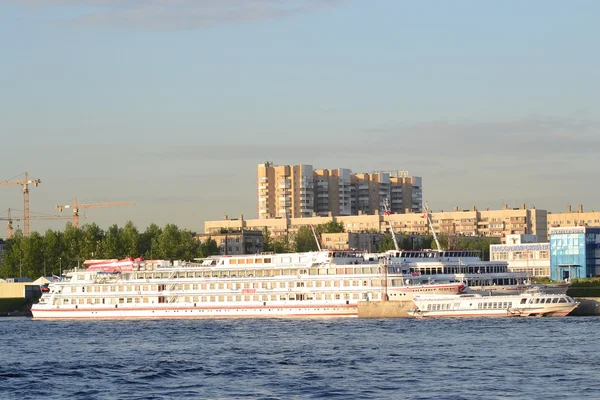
x=437, y=242
x=387, y=213
x=312, y=228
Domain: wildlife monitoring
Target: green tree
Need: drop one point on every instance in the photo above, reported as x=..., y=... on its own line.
x=33, y=256
x=387, y=243
x=304, y=240
x=71, y=239
x=149, y=241
x=267, y=240
x=281, y=244
x=131, y=240
x=168, y=242
x=91, y=239
x=113, y=243
x=12, y=257
x=331, y=227
x=52, y=252
x=189, y=248
x=209, y=248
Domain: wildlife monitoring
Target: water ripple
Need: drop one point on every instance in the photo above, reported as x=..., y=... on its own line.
x=300, y=359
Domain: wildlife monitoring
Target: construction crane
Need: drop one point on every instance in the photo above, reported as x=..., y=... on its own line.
x=25, y=184
x=75, y=206
x=9, y=218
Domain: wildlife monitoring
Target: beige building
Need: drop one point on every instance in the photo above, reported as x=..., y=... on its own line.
x=285, y=191
x=573, y=218
x=351, y=240
x=299, y=191
x=472, y=222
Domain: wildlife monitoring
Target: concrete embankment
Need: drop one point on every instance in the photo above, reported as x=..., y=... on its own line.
x=384, y=309
x=589, y=306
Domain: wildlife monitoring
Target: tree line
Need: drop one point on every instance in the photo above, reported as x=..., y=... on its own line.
x=47, y=255
x=55, y=251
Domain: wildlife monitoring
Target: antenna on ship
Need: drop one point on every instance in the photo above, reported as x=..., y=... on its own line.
x=387, y=214
x=437, y=242
x=312, y=228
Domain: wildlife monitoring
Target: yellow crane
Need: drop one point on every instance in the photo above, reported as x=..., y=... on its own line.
x=9, y=218
x=76, y=207
x=25, y=184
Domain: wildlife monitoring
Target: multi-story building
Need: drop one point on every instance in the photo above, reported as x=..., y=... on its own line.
x=473, y=222
x=573, y=218
x=332, y=192
x=523, y=253
x=299, y=191
x=237, y=242
x=574, y=252
x=285, y=191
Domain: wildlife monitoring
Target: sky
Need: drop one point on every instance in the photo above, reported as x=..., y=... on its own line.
x=172, y=104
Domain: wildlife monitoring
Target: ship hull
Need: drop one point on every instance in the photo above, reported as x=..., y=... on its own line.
x=190, y=311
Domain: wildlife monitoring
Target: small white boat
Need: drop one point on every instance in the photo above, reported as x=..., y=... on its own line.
x=534, y=303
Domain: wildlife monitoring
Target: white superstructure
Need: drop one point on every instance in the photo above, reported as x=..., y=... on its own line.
x=325, y=283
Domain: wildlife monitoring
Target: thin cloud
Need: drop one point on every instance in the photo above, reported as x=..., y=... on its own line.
x=171, y=15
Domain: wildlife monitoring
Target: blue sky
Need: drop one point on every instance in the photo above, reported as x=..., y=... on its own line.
x=172, y=104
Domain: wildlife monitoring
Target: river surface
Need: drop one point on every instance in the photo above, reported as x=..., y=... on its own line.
x=494, y=358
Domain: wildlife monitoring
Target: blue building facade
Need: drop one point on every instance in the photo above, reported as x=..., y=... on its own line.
x=574, y=252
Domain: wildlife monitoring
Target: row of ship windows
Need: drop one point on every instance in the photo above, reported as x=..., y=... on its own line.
x=261, y=273
x=227, y=286
x=481, y=306
x=216, y=299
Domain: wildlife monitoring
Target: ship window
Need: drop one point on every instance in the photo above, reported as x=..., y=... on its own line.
x=562, y=300
x=523, y=301
x=555, y=300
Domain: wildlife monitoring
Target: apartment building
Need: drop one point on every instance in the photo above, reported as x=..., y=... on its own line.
x=285, y=191
x=573, y=218
x=300, y=191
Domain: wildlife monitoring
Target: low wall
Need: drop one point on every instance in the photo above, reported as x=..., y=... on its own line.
x=19, y=290
x=588, y=306
x=384, y=309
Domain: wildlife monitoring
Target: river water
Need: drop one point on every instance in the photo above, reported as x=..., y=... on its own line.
x=493, y=358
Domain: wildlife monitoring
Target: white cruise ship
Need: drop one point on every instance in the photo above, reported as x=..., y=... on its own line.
x=327, y=283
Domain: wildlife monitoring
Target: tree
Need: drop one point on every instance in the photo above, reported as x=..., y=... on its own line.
x=168, y=242
x=91, y=237
x=331, y=227
x=71, y=246
x=149, y=241
x=387, y=243
x=267, y=240
x=304, y=240
x=281, y=244
x=189, y=248
x=209, y=248
x=113, y=243
x=131, y=240
x=53, y=249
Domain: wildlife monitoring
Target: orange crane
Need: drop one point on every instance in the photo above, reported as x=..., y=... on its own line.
x=25, y=184
x=9, y=218
x=75, y=206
